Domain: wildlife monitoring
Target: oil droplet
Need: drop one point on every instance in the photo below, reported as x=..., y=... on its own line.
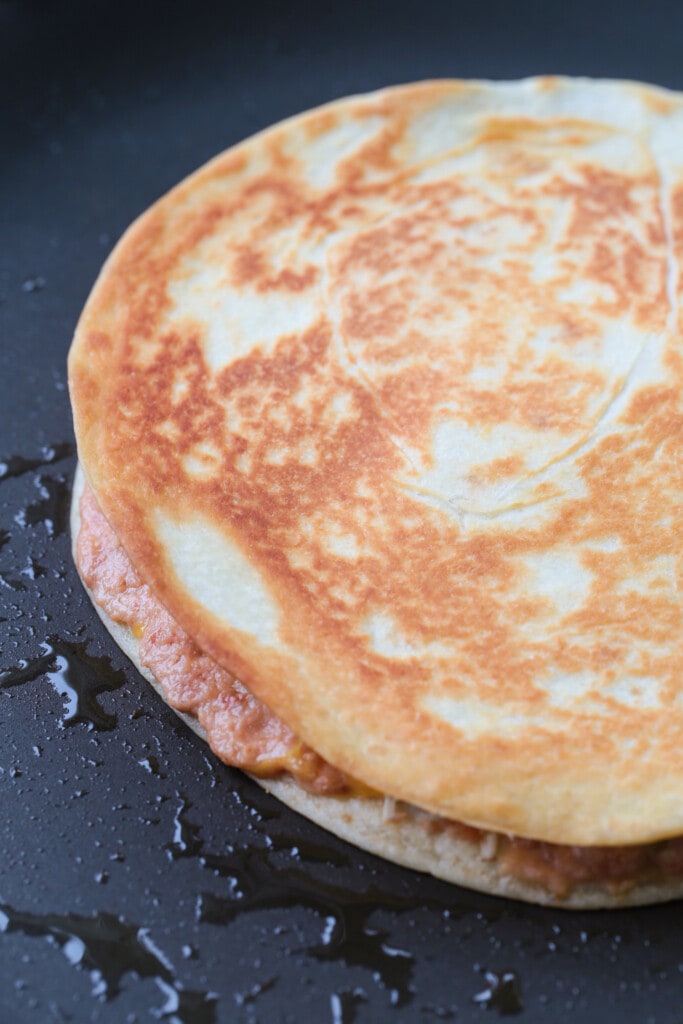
x=108, y=948
x=78, y=677
x=52, y=509
x=242, y=998
x=33, y=284
x=186, y=841
x=151, y=765
x=33, y=569
x=12, y=584
x=503, y=993
x=15, y=465
x=345, y=1004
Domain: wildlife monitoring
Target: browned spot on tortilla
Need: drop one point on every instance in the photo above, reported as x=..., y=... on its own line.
x=458, y=308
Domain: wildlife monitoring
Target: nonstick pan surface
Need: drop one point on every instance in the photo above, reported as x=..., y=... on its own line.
x=140, y=879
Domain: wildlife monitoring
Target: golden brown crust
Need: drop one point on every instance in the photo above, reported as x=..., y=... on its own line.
x=498, y=865
x=385, y=405
x=239, y=728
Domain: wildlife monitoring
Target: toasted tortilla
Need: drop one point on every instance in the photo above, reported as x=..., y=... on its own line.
x=401, y=833
x=385, y=406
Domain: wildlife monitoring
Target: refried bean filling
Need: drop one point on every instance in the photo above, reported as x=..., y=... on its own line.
x=243, y=733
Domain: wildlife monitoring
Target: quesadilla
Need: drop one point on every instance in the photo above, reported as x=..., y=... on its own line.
x=379, y=415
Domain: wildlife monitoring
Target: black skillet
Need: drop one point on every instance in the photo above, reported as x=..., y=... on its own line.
x=139, y=878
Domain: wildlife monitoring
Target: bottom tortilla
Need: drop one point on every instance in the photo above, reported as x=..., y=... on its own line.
x=407, y=835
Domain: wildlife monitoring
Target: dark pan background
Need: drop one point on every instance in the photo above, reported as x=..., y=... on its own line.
x=139, y=878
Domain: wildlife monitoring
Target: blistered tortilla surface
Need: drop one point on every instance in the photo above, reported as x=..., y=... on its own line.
x=385, y=405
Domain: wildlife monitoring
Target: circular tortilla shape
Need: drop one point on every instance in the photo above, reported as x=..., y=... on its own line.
x=403, y=838
x=385, y=406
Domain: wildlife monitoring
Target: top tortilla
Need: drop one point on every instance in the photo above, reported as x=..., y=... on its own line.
x=385, y=405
